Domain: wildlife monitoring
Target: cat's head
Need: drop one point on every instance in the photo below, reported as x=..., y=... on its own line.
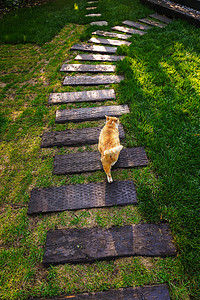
x=112, y=120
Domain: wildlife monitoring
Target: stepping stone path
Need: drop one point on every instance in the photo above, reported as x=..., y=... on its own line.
x=140, y=239
x=75, y=196
x=99, y=23
x=91, y=244
x=85, y=96
x=99, y=57
x=90, y=161
x=87, y=68
x=90, y=113
x=94, y=48
x=155, y=292
x=108, y=42
x=128, y=30
x=74, y=137
x=112, y=34
x=92, y=80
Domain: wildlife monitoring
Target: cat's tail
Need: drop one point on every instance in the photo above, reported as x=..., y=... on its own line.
x=113, y=150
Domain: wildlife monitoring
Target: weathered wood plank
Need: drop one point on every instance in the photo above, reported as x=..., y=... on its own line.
x=74, y=137
x=94, y=48
x=98, y=57
x=82, y=196
x=93, y=15
x=92, y=80
x=87, y=68
x=152, y=23
x=91, y=7
x=90, y=244
x=128, y=30
x=108, y=42
x=152, y=292
x=90, y=161
x=112, y=34
x=161, y=18
x=90, y=113
x=84, y=96
x=136, y=25
x=99, y=23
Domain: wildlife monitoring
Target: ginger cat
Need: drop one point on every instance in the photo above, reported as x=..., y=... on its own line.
x=109, y=145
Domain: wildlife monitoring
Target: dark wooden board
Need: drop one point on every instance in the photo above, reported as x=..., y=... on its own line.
x=136, y=25
x=92, y=80
x=128, y=30
x=90, y=161
x=151, y=292
x=87, y=68
x=90, y=113
x=74, y=137
x=94, y=48
x=93, y=15
x=108, y=42
x=82, y=196
x=161, y=18
x=152, y=23
x=112, y=34
x=90, y=244
x=98, y=57
x=84, y=96
x=174, y=10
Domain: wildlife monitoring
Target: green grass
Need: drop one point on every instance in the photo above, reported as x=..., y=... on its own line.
x=162, y=90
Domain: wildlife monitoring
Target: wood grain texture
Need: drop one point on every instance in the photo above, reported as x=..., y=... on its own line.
x=164, y=19
x=82, y=196
x=87, y=68
x=84, y=96
x=74, y=137
x=152, y=23
x=90, y=244
x=136, y=25
x=94, y=48
x=90, y=161
x=128, y=30
x=108, y=42
x=92, y=80
x=90, y=113
x=112, y=34
x=98, y=57
x=152, y=292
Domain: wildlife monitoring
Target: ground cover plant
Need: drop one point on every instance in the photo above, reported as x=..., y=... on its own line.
x=162, y=89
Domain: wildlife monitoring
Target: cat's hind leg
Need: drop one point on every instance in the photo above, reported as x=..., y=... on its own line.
x=107, y=170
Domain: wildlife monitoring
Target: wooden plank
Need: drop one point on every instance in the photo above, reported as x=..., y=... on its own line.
x=112, y=34
x=136, y=25
x=108, y=42
x=94, y=48
x=90, y=161
x=99, y=23
x=84, y=96
x=128, y=30
x=91, y=244
x=82, y=196
x=91, y=7
x=87, y=68
x=161, y=18
x=74, y=137
x=93, y=15
x=151, y=292
x=90, y=113
x=152, y=23
x=92, y=80
x=98, y=57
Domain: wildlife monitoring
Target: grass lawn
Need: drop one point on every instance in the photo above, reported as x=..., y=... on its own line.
x=162, y=89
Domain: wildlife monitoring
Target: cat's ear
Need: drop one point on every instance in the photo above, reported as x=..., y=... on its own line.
x=107, y=118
